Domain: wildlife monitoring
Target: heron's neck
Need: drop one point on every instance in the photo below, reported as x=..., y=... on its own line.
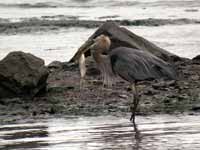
x=103, y=63
x=98, y=57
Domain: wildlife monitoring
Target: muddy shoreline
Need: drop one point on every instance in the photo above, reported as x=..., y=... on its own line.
x=64, y=95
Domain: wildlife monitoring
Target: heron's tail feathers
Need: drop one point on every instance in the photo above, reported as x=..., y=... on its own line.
x=168, y=71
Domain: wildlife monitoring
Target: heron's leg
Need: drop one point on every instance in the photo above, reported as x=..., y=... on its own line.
x=82, y=83
x=82, y=69
x=103, y=90
x=82, y=86
x=135, y=102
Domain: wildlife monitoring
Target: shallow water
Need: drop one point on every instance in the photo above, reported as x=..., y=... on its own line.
x=59, y=45
x=92, y=9
x=160, y=132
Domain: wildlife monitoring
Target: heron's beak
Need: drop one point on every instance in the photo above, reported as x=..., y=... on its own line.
x=83, y=49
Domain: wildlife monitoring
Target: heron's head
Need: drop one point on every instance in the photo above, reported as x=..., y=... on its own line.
x=100, y=44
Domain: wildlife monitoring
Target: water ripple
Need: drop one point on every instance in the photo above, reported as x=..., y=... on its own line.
x=159, y=132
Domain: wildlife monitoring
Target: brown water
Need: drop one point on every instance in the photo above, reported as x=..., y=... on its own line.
x=160, y=132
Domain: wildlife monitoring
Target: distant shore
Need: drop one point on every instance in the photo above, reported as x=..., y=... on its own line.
x=50, y=23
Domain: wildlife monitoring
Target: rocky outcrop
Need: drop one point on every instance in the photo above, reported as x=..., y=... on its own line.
x=22, y=75
x=196, y=59
x=121, y=36
x=55, y=66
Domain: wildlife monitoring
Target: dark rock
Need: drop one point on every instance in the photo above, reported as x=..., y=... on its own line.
x=196, y=60
x=70, y=66
x=175, y=58
x=55, y=66
x=22, y=75
x=123, y=37
x=196, y=108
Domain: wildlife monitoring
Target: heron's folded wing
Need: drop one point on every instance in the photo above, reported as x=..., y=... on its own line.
x=135, y=65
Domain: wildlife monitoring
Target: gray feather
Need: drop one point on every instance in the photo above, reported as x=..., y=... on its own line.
x=135, y=65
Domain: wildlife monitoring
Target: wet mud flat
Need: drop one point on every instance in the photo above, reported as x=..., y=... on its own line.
x=65, y=96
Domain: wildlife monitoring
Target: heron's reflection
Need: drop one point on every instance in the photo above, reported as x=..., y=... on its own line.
x=138, y=137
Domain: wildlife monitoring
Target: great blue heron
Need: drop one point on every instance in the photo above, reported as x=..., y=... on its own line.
x=130, y=64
